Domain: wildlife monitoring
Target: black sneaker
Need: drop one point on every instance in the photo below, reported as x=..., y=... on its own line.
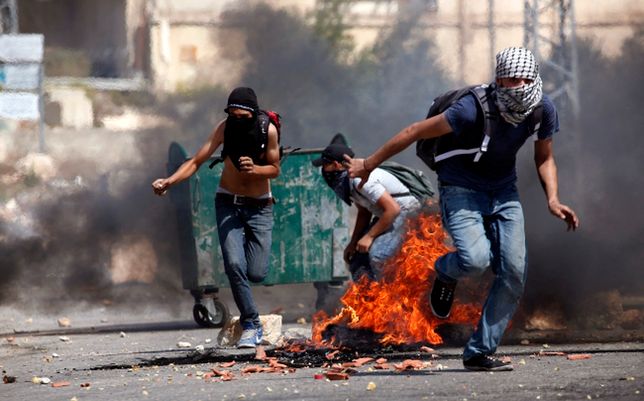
x=487, y=364
x=441, y=298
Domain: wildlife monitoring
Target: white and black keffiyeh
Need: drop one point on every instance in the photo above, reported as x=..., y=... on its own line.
x=515, y=104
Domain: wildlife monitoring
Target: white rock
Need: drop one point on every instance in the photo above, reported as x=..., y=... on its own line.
x=184, y=344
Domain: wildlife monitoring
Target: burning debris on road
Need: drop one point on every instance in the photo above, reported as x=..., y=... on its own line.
x=395, y=310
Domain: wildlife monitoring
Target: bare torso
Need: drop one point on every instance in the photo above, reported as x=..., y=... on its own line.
x=240, y=183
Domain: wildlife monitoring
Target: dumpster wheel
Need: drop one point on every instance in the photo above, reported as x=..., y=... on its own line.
x=205, y=318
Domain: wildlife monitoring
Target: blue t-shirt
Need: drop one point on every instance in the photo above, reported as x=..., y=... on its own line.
x=497, y=167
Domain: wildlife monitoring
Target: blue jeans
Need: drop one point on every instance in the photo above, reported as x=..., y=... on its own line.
x=382, y=248
x=487, y=229
x=245, y=240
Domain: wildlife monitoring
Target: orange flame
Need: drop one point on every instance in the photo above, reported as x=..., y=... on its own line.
x=397, y=306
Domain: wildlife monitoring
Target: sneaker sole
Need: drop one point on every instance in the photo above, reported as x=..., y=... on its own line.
x=505, y=368
x=246, y=346
x=436, y=314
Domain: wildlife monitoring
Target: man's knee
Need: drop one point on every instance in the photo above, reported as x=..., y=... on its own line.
x=257, y=271
x=474, y=261
x=256, y=277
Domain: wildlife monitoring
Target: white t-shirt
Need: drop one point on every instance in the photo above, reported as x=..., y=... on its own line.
x=379, y=182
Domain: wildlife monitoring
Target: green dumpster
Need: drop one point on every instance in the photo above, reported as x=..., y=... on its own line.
x=311, y=229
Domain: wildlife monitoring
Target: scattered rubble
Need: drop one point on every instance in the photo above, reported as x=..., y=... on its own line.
x=577, y=357
x=551, y=353
x=409, y=364
x=260, y=353
x=426, y=349
x=335, y=375
x=40, y=380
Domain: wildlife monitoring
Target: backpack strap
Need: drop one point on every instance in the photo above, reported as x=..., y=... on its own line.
x=264, y=122
x=483, y=95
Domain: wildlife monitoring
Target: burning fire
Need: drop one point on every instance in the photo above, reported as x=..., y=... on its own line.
x=397, y=307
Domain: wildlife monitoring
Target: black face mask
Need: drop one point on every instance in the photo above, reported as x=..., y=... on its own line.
x=340, y=183
x=240, y=125
x=241, y=138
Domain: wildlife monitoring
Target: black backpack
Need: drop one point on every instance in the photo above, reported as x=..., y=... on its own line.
x=433, y=150
x=417, y=183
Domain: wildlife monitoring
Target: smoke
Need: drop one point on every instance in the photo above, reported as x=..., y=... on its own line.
x=66, y=239
x=296, y=72
x=392, y=84
x=59, y=246
x=600, y=176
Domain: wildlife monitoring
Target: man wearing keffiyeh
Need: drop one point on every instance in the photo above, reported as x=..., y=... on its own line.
x=479, y=201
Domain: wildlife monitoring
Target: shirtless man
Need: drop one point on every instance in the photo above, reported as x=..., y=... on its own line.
x=243, y=202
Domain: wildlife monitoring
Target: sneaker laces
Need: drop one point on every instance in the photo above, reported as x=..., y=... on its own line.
x=446, y=293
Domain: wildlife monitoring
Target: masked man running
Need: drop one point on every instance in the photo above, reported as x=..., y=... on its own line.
x=243, y=202
x=478, y=196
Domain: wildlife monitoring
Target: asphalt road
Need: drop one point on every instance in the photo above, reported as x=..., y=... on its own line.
x=145, y=363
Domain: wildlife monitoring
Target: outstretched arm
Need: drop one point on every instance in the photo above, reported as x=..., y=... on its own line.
x=430, y=128
x=547, y=170
x=190, y=166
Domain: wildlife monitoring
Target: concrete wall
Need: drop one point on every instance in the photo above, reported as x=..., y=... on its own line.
x=96, y=27
x=74, y=106
x=188, y=39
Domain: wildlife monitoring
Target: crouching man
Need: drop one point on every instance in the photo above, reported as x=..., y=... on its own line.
x=383, y=203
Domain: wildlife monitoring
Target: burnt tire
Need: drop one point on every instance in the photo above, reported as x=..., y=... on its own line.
x=214, y=315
